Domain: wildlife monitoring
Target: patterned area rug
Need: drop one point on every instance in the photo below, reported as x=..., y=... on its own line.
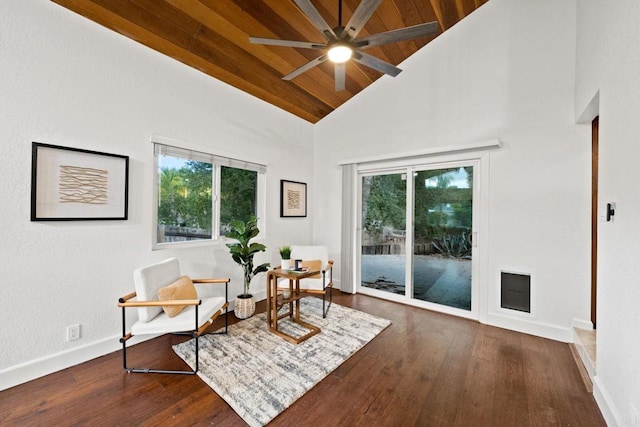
x=260, y=375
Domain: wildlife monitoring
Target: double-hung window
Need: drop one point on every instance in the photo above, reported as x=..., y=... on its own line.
x=199, y=194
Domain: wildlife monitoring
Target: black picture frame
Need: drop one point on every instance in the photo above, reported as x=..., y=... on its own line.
x=293, y=199
x=72, y=184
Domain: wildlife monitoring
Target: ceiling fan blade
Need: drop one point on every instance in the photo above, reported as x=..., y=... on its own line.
x=340, y=71
x=316, y=19
x=375, y=63
x=309, y=65
x=360, y=17
x=287, y=43
x=407, y=33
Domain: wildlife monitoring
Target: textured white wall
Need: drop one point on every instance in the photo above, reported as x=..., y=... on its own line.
x=65, y=80
x=507, y=72
x=608, y=61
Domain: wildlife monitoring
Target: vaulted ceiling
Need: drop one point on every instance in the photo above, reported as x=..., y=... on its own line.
x=213, y=36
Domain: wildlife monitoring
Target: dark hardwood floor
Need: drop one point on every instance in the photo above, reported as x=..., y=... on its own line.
x=426, y=369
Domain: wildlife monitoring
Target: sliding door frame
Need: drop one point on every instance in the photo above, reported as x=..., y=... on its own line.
x=479, y=290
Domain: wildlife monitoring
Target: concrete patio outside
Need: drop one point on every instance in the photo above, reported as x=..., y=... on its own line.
x=437, y=279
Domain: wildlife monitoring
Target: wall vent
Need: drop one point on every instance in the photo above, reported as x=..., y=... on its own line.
x=515, y=291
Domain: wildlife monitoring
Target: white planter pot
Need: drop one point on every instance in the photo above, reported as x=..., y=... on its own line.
x=244, y=307
x=285, y=264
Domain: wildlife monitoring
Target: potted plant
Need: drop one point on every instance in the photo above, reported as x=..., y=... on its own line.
x=242, y=253
x=285, y=254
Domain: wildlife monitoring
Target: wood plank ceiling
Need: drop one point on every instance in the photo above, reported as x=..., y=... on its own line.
x=213, y=36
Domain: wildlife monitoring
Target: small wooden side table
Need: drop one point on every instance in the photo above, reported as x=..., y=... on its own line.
x=275, y=303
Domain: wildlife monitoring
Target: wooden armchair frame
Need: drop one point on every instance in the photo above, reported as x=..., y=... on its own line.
x=198, y=330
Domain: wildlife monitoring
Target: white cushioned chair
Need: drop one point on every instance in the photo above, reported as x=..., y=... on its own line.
x=168, y=302
x=316, y=258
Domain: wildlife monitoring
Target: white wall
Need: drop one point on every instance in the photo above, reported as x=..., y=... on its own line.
x=67, y=81
x=608, y=61
x=507, y=72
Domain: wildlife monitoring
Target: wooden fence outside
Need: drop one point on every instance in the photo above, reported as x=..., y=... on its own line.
x=174, y=233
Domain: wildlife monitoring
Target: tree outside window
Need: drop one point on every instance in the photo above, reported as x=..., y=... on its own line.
x=186, y=195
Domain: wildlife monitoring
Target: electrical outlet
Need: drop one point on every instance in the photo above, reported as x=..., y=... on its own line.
x=73, y=332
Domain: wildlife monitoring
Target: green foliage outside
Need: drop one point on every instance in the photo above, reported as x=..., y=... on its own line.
x=385, y=197
x=238, y=196
x=453, y=245
x=442, y=212
x=443, y=209
x=185, y=196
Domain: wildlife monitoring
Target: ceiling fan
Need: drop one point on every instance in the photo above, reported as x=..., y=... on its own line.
x=342, y=42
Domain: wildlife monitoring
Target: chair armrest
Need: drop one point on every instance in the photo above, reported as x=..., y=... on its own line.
x=329, y=265
x=125, y=301
x=225, y=280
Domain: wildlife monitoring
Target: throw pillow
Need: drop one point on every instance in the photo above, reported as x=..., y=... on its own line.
x=182, y=288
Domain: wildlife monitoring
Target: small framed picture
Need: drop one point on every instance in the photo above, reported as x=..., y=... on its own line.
x=70, y=184
x=293, y=199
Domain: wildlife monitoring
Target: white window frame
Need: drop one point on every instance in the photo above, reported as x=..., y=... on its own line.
x=479, y=160
x=218, y=160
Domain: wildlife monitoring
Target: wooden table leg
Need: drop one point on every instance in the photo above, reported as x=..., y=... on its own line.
x=269, y=301
x=294, y=309
x=274, y=301
x=298, y=300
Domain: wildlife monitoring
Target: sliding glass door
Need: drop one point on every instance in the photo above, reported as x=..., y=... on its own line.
x=383, y=248
x=416, y=235
x=442, y=224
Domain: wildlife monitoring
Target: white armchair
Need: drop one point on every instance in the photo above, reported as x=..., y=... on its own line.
x=168, y=302
x=316, y=258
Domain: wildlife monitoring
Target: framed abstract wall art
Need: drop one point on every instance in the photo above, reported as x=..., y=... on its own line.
x=293, y=199
x=71, y=184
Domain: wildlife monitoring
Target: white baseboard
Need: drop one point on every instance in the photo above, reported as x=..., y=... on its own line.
x=582, y=324
x=530, y=327
x=37, y=368
x=610, y=414
x=33, y=369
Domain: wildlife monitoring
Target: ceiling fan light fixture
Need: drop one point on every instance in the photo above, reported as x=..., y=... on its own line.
x=339, y=53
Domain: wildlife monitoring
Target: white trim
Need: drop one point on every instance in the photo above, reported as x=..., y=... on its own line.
x=582, y=324
x=37, y=368
x=260, y=168
x=480, y=287
x=411, y=302
x=482, y=236
x=33, y=369
x=527, y=326
x=154, y=138
x=409, y=214
x=437, y=151
x=605, y=403
x=591, y=111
